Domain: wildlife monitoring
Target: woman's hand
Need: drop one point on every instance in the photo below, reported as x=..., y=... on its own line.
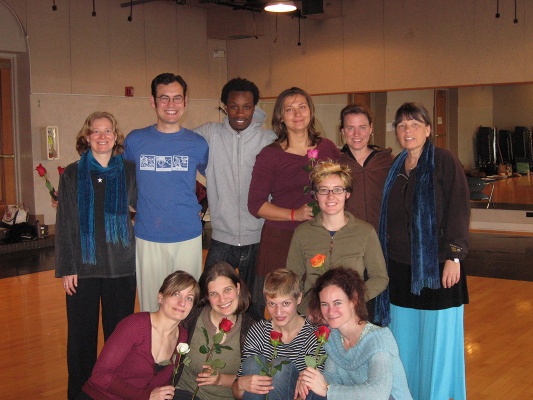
x=206, y=377
x=304, y=213
x=301, y=390
x=451, y=273
x=162, y=393
x=255, y=384
x=313, y=380
x=70, y=283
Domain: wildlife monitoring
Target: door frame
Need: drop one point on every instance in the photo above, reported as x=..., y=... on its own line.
x=14, y=193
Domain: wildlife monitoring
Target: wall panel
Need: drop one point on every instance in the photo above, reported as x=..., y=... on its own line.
x=91, y=64
x=160, y=42
x=192, y=50
x=364, y=49
x=324, y=61
x=49, y=42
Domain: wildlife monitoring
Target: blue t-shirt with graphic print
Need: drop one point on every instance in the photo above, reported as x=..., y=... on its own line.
x=166, y=165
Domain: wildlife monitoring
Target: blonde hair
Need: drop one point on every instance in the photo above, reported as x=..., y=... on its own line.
x=82, y=144
x=323, y=169
x=281, y=282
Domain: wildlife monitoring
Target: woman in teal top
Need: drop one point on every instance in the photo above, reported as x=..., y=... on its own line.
x=363, y=361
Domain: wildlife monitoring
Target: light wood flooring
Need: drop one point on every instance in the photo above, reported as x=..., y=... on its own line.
x=512, y=190
x=498, y=338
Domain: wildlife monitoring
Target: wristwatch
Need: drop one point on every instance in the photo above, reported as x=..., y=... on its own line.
x=455, y=260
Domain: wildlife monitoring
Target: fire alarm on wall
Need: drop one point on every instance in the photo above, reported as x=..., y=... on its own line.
x=129, y=91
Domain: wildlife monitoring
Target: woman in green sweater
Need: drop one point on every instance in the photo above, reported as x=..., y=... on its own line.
x=335, y=238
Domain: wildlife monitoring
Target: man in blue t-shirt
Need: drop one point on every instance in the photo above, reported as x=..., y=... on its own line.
x=168, y=229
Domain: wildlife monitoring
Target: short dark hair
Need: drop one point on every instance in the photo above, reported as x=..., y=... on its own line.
x=223, y=269
x=239, y=85
x=356, y=109
x=349, y=281
x=166, y=79
x=414, y=111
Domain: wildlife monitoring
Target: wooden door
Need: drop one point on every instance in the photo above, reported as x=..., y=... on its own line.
x=7, y=150
x=440, y=124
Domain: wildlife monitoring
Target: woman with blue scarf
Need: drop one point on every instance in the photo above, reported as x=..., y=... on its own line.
x=95, y=250
x=424, y=235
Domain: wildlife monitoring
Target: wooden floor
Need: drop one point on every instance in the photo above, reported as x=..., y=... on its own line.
x=498, y=338
x=512, y=190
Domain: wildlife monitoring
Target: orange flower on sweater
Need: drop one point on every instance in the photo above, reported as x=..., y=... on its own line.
x=318, y=260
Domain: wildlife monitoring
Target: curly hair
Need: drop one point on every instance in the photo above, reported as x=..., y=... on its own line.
x=82, y=144
x=223, y=269
x=277, y=117
x=239, y=85
x=349, y=281
x=325, y=168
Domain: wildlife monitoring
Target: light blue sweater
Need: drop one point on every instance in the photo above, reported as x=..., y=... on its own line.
x=371, y=370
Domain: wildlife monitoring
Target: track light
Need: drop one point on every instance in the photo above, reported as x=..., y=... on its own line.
x=280, y=6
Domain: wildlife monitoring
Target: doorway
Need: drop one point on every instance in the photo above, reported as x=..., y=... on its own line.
x=7, y=149
x=441, y=118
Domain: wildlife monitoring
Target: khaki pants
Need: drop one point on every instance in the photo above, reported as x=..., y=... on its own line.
x=155, y=261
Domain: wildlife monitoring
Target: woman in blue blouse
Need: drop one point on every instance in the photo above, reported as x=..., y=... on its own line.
x=363, y=360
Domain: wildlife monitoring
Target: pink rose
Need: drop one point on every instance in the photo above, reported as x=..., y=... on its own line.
x=312, y=154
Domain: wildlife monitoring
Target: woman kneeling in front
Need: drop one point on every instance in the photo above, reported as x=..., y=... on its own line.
x=363, y=361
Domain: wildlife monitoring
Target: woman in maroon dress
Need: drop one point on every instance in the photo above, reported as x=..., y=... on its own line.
x=280, y=175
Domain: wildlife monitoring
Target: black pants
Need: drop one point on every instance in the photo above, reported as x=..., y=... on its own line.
x=117, y=296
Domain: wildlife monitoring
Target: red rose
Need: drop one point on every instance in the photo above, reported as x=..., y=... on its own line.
x=225, y=325
x=275, y=338
x=41, y=170
x=60, y=170
x=322, y=334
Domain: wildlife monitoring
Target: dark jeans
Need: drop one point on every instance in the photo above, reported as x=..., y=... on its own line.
x=181, y=394
x=314, y=396
x=284, y=381
x=241, y=257
x=117, y=296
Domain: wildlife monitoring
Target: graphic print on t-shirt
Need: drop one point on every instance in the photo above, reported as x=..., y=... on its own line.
x=163, y=163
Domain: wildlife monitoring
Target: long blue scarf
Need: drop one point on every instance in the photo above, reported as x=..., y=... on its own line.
x=424, y=241
x=116, y=210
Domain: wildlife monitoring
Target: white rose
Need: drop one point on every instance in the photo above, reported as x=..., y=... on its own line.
x=183, y=348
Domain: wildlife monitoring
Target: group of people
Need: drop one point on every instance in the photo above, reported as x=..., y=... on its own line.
x=310, y=234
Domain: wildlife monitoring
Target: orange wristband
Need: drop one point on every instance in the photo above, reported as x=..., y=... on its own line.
x=292, y=215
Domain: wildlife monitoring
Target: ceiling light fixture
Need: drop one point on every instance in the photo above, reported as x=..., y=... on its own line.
x=280, y=6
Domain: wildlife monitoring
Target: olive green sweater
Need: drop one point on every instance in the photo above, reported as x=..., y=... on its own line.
x=354, y=246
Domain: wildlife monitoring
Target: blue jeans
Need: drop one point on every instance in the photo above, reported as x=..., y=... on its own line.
x=314, y=396
x=241, y=257
x=284, y=381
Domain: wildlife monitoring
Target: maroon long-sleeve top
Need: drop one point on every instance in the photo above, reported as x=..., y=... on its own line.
x=283, y=176
x=126, y=368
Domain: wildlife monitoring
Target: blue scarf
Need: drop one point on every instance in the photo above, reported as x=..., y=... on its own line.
x=116, y=210
x=424, y=242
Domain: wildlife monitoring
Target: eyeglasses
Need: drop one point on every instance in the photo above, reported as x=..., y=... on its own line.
x=106, y=132
x=335, y=190
x=165, y=99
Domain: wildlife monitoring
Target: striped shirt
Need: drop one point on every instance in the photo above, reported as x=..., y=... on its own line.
x=258, y=342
